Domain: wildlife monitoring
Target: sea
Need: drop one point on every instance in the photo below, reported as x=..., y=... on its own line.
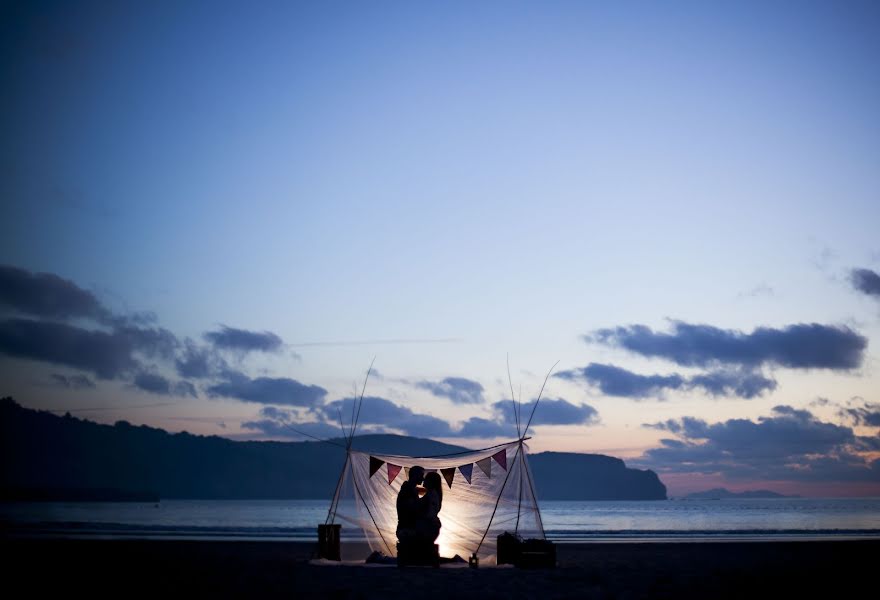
x=609, y=521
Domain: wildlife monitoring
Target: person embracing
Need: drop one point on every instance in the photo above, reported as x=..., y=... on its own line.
x=409, y=507
x=428, y=522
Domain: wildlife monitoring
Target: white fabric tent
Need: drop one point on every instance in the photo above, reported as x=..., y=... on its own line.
x=486, y=492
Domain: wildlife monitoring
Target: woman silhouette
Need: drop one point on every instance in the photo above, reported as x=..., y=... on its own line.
x=428, y=523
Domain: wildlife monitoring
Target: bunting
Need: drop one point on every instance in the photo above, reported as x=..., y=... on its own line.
x=393, y=470
x=501, y=458
x=448, y=475
x=466, y=471
x=375, y=463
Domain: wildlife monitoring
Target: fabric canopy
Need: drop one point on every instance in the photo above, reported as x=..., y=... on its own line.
x=485, y=493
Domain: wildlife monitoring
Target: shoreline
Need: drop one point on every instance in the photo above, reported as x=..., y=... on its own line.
x=278, y=568
x=123, y=531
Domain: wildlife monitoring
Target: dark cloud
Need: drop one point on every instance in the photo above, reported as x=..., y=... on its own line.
x=551, y=411
x=267, y=390
x=46, y=295
x=286, y=429
x=478, y=427
x=457, y=389
x=791, y=444
x=866, y=281
x=382, y=412
x=198, y=362
x=153, y=342
x=106, y=355
x=867, y=415
x=741, y=383
x=276, y=414
x=801, y=346
x=616, y=381
x=868, y=444
x=72, y=382
x=157, y=384
x=241, y=340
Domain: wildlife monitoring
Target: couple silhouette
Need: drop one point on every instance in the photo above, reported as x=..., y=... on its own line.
x=418, y=507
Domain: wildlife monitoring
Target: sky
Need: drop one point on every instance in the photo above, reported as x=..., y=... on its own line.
x=216, y=215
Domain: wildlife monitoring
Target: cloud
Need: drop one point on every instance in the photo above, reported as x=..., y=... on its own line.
x=278, y=422
x=46, y=295
x=790, y=444
x=308, y=430
x=478, y=427
x=802, y=346
x=106, y=355
x=617, y=381
x=153, y=342
x=741, y=383
x=762, y=289
x=276, y=414
x=266, y=390
x=457, y=389
x=242, y=340
x=868, y=444
x=72, y=382
x=198, y=362
x=157, y=384
x=379, y=411
x=866, y=281
x=867, y=415
x=551, y=411
x=380, y=414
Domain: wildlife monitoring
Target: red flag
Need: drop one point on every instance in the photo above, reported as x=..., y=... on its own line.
x=501, y=458
x=393, y=470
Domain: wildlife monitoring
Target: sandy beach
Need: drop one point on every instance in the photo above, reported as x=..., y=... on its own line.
x=283, y=569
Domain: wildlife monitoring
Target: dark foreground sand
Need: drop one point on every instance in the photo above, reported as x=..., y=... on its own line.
x=122, y=568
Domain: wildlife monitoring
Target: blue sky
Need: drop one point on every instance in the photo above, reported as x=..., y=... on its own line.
x=483, y=180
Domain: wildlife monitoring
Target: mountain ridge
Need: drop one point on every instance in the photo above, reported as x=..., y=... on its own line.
x=723, y=493
x=50, y=455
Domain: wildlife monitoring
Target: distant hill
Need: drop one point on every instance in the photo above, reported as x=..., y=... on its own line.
x=722, y=493
x=46, y=456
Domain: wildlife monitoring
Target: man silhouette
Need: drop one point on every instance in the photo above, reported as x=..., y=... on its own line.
x=408, y=504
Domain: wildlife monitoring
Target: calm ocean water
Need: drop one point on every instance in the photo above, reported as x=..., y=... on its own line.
x=296, y=520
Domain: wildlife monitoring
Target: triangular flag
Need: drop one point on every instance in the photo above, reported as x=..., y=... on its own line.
x=448, y=475
x=406, y=472
x=485, y=466
x=501, y=458
x=375, y=463
x=467, y=470
x=393, y=470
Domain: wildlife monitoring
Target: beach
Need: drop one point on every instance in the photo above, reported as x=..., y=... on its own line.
x=99, y=567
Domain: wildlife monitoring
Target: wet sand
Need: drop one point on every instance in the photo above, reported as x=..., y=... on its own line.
x=596, y=570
